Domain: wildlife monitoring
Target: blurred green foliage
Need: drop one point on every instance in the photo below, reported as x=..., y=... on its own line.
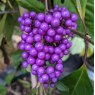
x=76, y=83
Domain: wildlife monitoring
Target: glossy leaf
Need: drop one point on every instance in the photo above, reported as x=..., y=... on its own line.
x=61, y=87
x=2, y=24
x=16, y=58
x=3, y=90
x=32, y=5
x=9, y=27
x=28, y=68
x=81, y=6
x=89, y=17
x=76, y=48
x=25, y=83
x=78, y=83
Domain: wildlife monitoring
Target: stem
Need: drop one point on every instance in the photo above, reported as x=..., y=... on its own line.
x=86, y=42
x=83, y=36
x=46, y=6
x=8, y=12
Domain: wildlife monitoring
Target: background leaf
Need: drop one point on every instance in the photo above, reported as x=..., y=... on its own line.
x=76, y=48
x=32, y=5
x=16, y=58
x=81, y=6
x=78, y=83
x=89, y=17
x=9, y=27
x=3, y=90
x=61, y=87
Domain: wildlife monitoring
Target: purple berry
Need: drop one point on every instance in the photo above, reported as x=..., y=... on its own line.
x=45, y=78
x=50, y=32
x=37, y=23
x=41, y=16
x=29, y=39
x=24, y=64
x=46, y=49
x=28, y=21
x=47, y=56
x=59, y=67
x=50, y=70
x=26, y=15
x=27, y=47
x=32, y=15
x=22, y=27
x=66, y=52
x=24, y=36
x=54, y=80
x=55, y=22
x=35, y=67
x=41, y=55
x=37, y=38
x=49, y=39
x=44, y=26
x=34, y=72
x=60, y=30
x=52, y=85
x=51, y=49
x=74, y=17
x=31, y=60
x=41, y=70
x=39, y=46
x=21, y=46
x=57, y=50
x=65, y=14
x=25, y=55
x=57, y=15
x=62, y=47
x=48, y=18
x=20, y=19
x=55, y=57
x=33, y=52
x=41, y=32
x=68, y=23
x=57, y=74
x=27, y=29
x=45, y=85
x=40, y=62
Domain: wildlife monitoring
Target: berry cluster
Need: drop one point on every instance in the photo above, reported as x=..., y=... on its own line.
x=45, y=38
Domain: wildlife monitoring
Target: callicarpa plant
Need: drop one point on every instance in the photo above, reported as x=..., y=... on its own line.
x=45, y=41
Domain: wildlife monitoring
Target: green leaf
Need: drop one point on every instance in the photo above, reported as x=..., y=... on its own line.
x=32, y=5
x=2, y=6
x=9, y=78
x=3, y=90
x=80, y=6
x=16, y=58
x=79, y=83
x=9, y=27
x=25, y=83
x=28, y=68
x=76, y=48
x=2, y=24
x=89, y=17
x=61, y=87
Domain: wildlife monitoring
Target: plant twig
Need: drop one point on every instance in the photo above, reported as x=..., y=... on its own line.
x=86, y=42
x=83, y=36
x=8, y=12
x=46, y=6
